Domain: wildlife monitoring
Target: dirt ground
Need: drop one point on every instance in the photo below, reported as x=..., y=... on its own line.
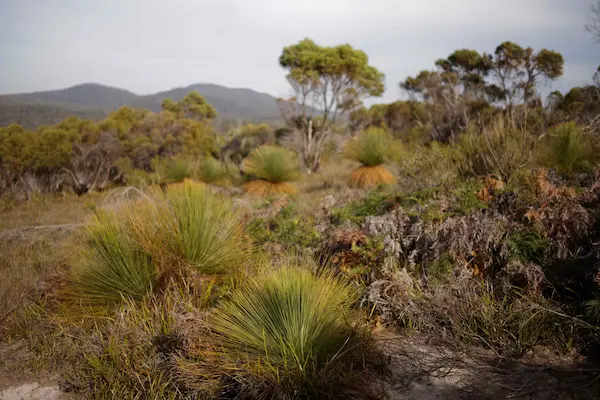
x=18, y=382
x=422, y=371
x=416, y=370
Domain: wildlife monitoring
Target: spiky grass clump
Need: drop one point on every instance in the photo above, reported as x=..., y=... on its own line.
x=211, y=171
x=178, y=169
x=371, y=148
x=275, y=167
x=188, y=224
x=140, y=245
x=290, y=330
x=568, y=148
x=502, y=148
x=114, y=266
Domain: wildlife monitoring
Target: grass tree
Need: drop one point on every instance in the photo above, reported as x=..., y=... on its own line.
x=113, y=265
x=371, y=148
x=568, y=148
x=274, y=169
x=132, y=250
x=179, y=168
x=211, y=171
x=293, y=332
x=188, y=224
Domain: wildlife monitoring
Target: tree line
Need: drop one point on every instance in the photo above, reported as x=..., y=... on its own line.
x=463, y=91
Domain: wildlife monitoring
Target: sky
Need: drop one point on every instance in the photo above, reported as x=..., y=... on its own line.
x=147, y=46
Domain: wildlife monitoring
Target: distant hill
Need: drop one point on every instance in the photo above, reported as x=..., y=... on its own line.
x=32, y=114
x=92, y=100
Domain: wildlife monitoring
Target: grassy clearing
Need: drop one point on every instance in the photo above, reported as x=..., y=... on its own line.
x=48, y=210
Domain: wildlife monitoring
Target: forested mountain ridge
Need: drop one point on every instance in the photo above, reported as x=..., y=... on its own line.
x=95, y=101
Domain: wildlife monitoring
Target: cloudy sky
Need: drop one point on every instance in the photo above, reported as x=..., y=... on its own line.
x=149, y=45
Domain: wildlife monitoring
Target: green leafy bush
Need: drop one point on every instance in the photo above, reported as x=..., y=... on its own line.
x=527, y=244
x=465, y=197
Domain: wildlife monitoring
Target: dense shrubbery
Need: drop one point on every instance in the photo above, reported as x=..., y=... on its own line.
x=86, y=156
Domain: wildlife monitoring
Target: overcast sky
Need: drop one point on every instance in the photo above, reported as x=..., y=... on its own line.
x=148, y=45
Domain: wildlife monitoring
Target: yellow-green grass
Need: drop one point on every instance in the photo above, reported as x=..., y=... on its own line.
x=292, y=330
x=371, y=148
x=138, y=247
x=273, y=169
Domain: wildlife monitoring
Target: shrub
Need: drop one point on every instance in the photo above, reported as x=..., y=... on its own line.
x=508, y=326
x=211, y=171
x=188, y=224
x=374, y=203
x=466, y=199
x=287, y=228
x=178, y=169
x=114, y=265
x=527, y=244
x=470, y=314
x=441, y=269
x=275, y=167
x=502, y=148
x=372, y=149
x=568, y=148
x=424, y=167
x=291, y=328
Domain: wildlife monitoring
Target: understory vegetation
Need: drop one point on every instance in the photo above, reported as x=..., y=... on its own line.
x=146, y=257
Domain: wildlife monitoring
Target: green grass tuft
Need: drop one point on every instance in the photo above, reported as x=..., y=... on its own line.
x=178, y=169
x=293, y=324
x=211, y=171
x=273, y=164
x=371, y=148
x=114, y=265
x=568, y=148
x=188, y=223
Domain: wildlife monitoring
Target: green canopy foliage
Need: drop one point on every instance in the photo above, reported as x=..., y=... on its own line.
x=83, y=154
x=328, y=82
